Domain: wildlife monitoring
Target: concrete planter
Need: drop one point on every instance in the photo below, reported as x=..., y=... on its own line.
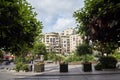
x=63, y=67
x=38, y=67
x=87, y=67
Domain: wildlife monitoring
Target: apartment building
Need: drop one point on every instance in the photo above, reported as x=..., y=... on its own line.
x=52, y=42
x=75, y=40
x=70, y=40
x=64, y=42
x=68, y=31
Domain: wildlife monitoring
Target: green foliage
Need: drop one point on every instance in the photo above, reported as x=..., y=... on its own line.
x=40, y=48
x=116, y=55
x=45, y=57
x=107, y=48
x=19, y=59
x=24, y=67
x=98, y=66
x=83, y=49
x=18, y=66
x=26, y=59
x=1, y=55
x=18, y=26
x=53, y=56
x=90, y=57
x=21, y=66
x=73, y=58
x=108, y=62
x=99, y=20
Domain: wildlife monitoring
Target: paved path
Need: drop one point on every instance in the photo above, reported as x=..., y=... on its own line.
x=74, y=77
x=52, y=73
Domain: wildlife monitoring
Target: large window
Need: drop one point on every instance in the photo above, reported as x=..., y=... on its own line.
x=50, y=39
x=53, y=39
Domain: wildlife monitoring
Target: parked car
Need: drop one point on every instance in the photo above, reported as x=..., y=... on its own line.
x=6, y=62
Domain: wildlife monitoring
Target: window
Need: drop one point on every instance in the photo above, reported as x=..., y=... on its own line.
x=64, y=41
x=50, y=39
x=53, y=39
x=73, y=38
x=64, y=45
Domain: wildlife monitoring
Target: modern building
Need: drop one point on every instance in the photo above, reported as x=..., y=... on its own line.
x=52, y=42
x=70, y=40
x=69, y=31
x=75, y=40
x=64, y=42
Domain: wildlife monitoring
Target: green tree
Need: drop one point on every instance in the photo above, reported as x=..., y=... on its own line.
x=1, y=54
x=99, y=20
x=39, y=49
x=84, y=49
x=18, y=25
x=104, y=48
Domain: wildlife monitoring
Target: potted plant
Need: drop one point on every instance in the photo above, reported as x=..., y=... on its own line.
x=85, y=50
x=39, y=66
x=63, y=65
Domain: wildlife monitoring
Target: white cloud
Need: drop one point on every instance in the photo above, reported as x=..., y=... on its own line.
x=52, y=12
x=52, y=7
x=63, y=23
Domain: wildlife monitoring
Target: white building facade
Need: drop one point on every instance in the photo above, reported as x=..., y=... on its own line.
x=75, y=40
x=52, y=42
x=64, y=42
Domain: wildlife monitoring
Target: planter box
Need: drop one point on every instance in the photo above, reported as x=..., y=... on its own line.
x=38, y=67
x=63, y=67
x=87, y=67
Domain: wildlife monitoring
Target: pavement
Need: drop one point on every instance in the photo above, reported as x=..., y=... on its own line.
x=75, y=73
x=53, y=69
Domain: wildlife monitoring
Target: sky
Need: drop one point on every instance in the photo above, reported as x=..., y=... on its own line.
x=56, y=15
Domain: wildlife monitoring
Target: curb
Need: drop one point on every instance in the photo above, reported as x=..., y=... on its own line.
x=66, y=74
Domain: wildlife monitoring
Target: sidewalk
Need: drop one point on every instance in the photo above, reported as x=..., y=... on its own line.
x=52, y=73
x=53, y=70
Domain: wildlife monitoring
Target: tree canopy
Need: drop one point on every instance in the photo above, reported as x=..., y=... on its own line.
x=99, y=20
x=83, y=49
x=40, y=49
x=18, y=25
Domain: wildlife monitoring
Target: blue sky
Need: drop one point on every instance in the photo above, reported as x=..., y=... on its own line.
x=56, y=15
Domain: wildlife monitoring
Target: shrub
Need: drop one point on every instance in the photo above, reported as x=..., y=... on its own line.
x=19, y=59
x=21, y=66
x=25, y=67
x=18, y=66
x=85, y=50
x=108, y=62
x=73, y=58
x=1, y=55
x=116, y=55
x=98, y=66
